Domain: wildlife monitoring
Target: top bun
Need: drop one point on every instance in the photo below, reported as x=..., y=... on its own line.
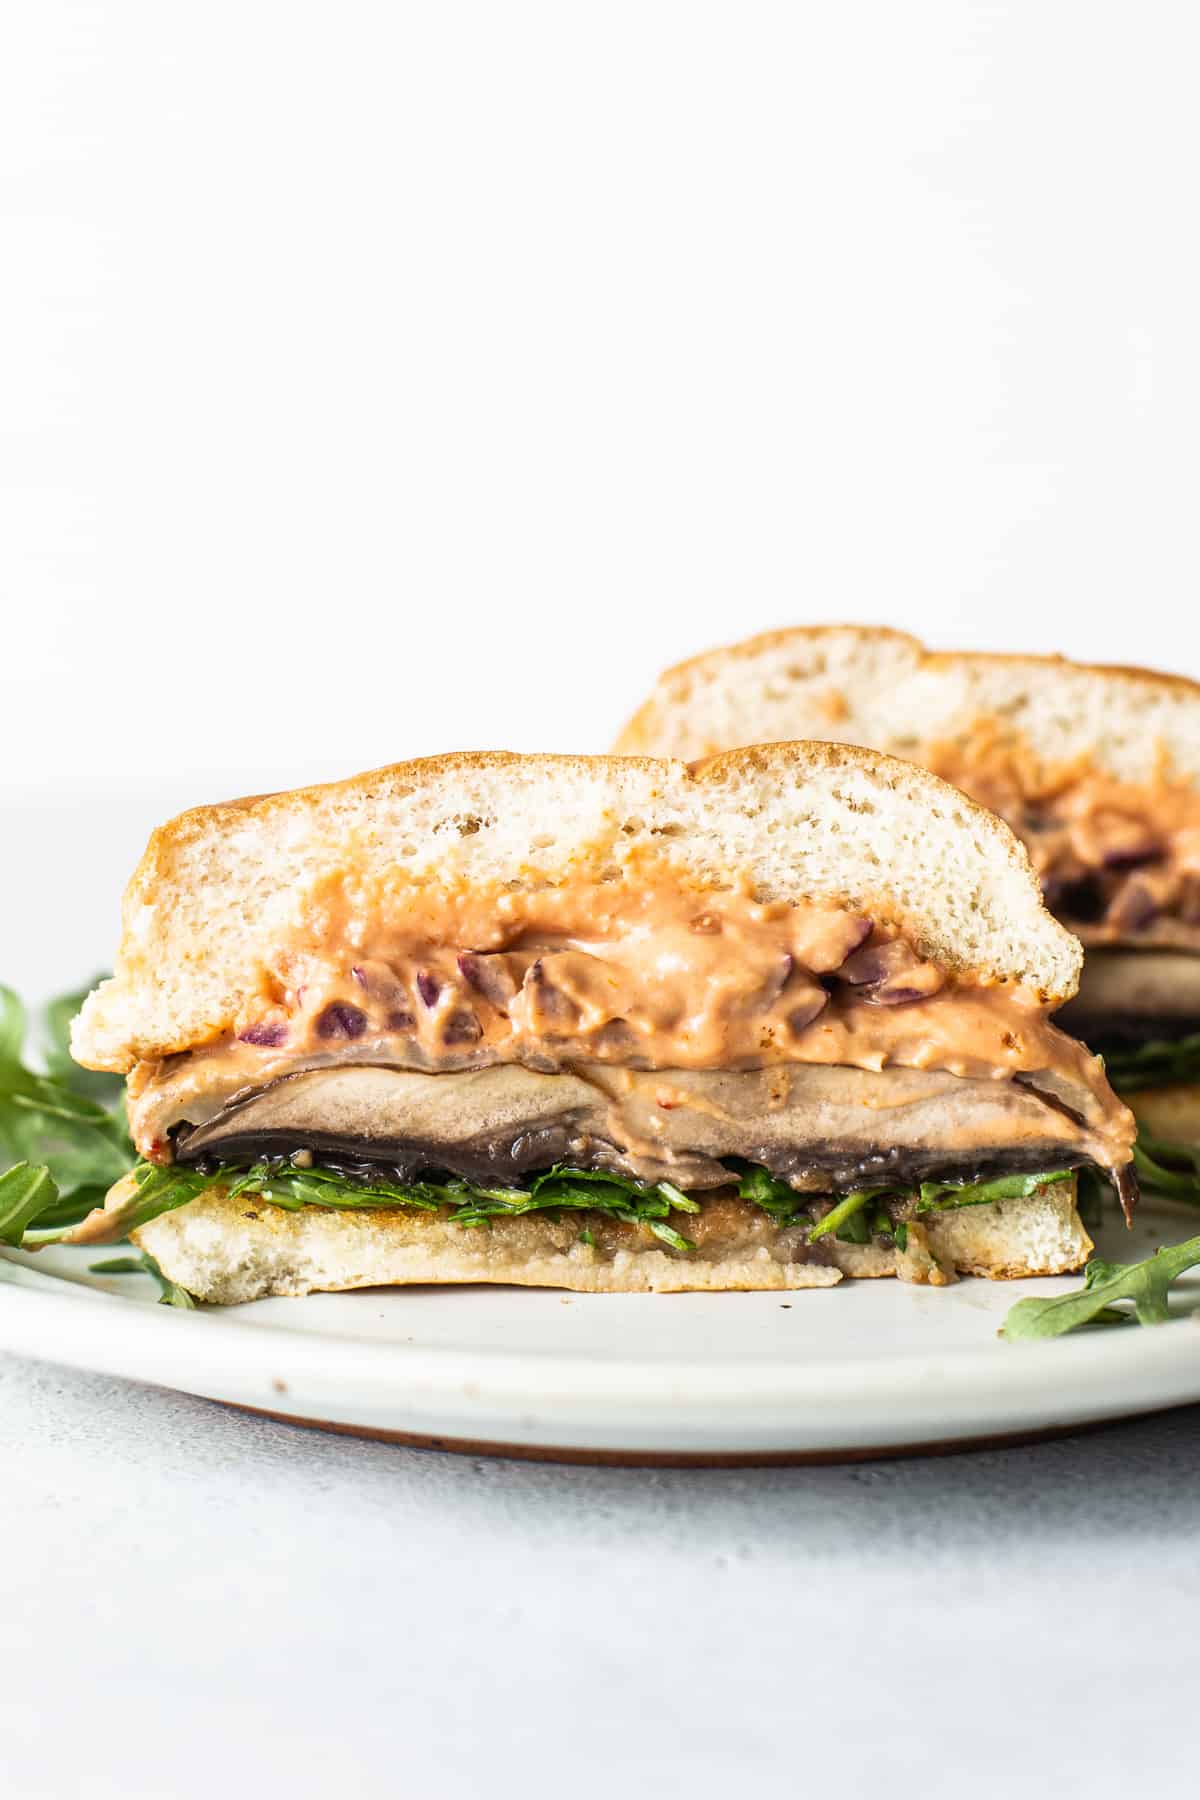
x=861, y=684
x=220, y=888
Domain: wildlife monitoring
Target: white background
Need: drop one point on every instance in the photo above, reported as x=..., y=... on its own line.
x=381, y=379
x=377, y=379
x=384, y=378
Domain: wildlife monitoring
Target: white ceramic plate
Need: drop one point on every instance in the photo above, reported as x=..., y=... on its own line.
x=865, y=1367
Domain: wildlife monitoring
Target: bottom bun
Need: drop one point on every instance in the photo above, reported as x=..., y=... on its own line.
x=226, y=1251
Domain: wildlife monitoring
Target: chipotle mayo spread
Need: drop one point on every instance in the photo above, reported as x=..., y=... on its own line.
x=1119, y=861
x=660, y=978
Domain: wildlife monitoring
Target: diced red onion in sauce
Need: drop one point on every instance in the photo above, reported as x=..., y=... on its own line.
x=490, y=976
x=810, y=1004
x=268, y=1034
x=549, y=1008
x=462, y=1027
x=890, y=974
x=878, y=962
x=341, y=1020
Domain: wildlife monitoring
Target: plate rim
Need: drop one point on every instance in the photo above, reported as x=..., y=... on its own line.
x=575, y=1402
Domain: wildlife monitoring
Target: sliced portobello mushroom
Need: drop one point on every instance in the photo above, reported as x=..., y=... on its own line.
x=818, y=1127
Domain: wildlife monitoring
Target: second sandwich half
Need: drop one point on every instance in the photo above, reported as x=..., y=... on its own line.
x=603, y=1024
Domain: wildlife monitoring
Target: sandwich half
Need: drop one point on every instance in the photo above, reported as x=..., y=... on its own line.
x=1097, y=770
x=603, y=1024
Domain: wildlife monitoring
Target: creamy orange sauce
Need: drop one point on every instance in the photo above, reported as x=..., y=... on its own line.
x=1119, y=861
x=657, y=978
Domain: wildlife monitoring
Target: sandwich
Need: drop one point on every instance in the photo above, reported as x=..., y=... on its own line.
x=1097, y=770
x=601, y=1024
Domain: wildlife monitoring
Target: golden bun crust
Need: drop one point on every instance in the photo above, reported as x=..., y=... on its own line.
x=871, y=685
x=644, y=732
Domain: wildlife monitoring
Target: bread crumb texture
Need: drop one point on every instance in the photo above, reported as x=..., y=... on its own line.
x=861, y=684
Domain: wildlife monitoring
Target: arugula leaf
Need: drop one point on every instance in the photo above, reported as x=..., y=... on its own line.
x=775, y=1197
x=73, y=1210
x=625, y=1184
x=676, y=1198
x=1105, y=1286
x=60, y=1124
x=25, y=1192
x=142, y=1263
x=940, y=1196
x=669, y=1235
x=855, y=1230
x=1157, y=1163
x=293, y=1188
x=586, y=1190
x=1149, y=1064
x=160, y=1190
x=842, y=1213
x=560, y=1189
x=848, y=1220
x=30, y=1194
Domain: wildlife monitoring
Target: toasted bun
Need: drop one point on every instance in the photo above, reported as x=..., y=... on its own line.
x=226, y=1251
x=218, y=887
x=868, y=685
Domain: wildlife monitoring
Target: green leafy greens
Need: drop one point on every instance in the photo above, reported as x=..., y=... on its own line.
x=66, y=1126
x=28, y=1196
x=1150, y=1064
x=63, y=1135
x=1172, y=1169
x=846, y=1218
x=943, y=1196
x=1105, y=1286
x=140, y=1263
x=26, y=1193
x=849, y=1218
x=556, y=1191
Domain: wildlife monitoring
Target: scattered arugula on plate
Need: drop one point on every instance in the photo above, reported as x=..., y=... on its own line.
x=1100, y=1301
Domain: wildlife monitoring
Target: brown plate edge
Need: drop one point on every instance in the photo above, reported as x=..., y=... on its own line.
x=701, y=1459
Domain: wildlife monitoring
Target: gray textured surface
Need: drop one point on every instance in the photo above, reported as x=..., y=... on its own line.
x=196, y=1601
